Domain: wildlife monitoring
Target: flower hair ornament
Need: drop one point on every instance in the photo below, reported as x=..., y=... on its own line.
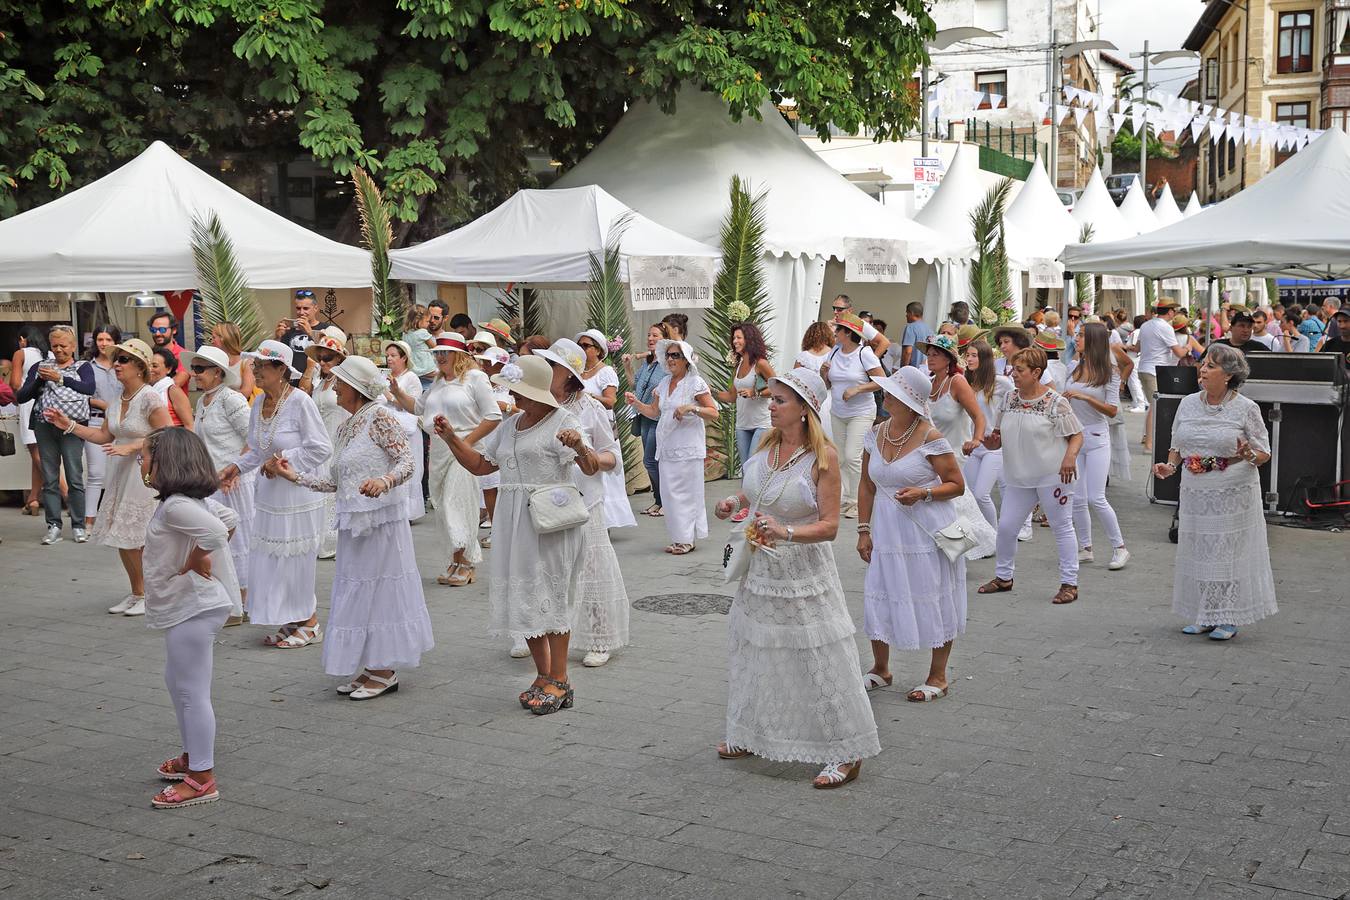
x=512, y=373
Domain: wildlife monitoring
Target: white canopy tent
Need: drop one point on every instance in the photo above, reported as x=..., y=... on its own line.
x=676, y=169
x=540, y=238
x=1037, y=224
x=1193, y=206
x=131, y=230
x=1166, y=210
x=947, y=212
x=1136, y=211
x=1096, y=208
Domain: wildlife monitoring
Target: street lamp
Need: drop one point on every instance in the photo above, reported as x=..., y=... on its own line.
x=941, y=41
x=1058, y=52
x=1154, y=58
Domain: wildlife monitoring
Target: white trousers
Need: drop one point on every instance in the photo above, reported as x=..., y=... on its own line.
x=1057, y=502
x=187, y=675
x=1136, y=389
x=848, y=437
x=983, y=470
x=1094, y=464
x=95, y=464
x=682, y=500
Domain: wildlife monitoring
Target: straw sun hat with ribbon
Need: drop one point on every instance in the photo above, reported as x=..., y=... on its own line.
x=137, y=349
x=331, y=339
x=499, y=328
x=213, y=356
x=530, y=377
x=1180, y=322
x=1048, y=341
x=850, y=321
x=446, y=344
x=968, y=333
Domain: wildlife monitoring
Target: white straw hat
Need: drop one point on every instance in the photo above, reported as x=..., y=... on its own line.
x=530, y=377
x=598, y=336
x=805, y=384
x=363, y=375
x=911, y=387
x=275, y=351
x=212, y=356
x=567, y=354
x=484, y=337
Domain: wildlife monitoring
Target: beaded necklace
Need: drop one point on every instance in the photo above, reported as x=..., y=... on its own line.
x=267, y=433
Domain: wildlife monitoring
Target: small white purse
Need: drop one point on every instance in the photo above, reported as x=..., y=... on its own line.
x=954, y=540
x=556, y=507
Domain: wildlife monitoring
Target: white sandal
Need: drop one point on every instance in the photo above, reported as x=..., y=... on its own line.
x=367, y=692
x=302, y=637
x=353, y=685
x=874, y=682
x=836, y=776
x=929, y=692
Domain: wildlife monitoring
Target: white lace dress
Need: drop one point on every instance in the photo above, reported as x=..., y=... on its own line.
x=377, y=618
x=793, y=691
x=287, y=518
x=325, y=399
x=1223, y=574
x=618, y=511
x=534, y=582
x=412, y=488
x=955, y=425
x=221, y=421
x=454, y=491
x=601, y=620
x=127, y=503
x=914, y=598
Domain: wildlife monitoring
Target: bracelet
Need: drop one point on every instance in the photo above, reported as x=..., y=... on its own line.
x=734, y=500
x=929, y=498
x=70, y=429
x=864, y=528
x=790, y=532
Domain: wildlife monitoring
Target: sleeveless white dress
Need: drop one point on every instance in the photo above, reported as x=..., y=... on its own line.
x=618, y=511
x=793, y=691
x=955, y=425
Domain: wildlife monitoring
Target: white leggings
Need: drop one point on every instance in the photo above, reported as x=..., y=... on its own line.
x=1094, y=464
x=1057, y=502
x=187, y=675
x=848, y=437
x=983, y=470
x=95, y=463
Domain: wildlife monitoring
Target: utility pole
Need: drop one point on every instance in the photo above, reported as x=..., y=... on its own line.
x=923, y=107
x=1051, y=82
x=1143, y=131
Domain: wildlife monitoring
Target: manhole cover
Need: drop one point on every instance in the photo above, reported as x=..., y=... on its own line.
x=685, y=604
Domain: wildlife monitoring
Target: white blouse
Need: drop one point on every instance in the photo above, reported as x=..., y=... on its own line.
x=600, y=436
x=222, y=424
x=1002, y=387
x=848, y=370
x=412, y=387
x=1034, y=435
x=680, y=439
x=1109, y=393
x=606, y=377
x=179, y=524
x=464, y=403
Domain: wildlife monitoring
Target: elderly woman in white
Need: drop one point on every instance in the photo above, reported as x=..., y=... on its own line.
x=601, y=381
x=683, y=404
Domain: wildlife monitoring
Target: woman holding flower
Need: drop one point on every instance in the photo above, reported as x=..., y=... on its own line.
x=601, y=381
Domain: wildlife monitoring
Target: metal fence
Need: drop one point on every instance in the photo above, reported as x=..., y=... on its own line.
x=1018, y=143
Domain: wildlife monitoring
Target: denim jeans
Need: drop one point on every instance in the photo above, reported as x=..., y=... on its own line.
x=54, y=449
x=648, y=432
x=747, y=439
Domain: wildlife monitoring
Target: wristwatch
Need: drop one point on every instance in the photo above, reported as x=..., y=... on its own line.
x=790, y=532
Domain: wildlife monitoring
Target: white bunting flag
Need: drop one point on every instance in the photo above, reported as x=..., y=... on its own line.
x=1061, y=112
x=1117, y=122
x=995, y=100
x=1197, y=126
x=1078, y=113
x=1237, y=133
x=1215, y=131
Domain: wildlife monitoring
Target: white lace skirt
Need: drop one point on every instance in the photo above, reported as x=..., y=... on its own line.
x=415, y=506
x=794, y=693
x=127, y=507
x=914, y=598
x=1223, y=574
x=287, y=529
x=378, y=615
x=601, y=620
x=241, y=501
x=682, y=500
x=454, y=496
x=534, y=583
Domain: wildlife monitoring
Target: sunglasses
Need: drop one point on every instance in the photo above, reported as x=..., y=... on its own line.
x=159, y=329
x=309, y=294
x=200, y=369
x=674, y=356
x=325, y=357
x=122, y=359
x=589, y=346
x=840, y=308
x=1075, y=318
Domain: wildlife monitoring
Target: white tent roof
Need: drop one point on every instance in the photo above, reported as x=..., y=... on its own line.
x=1037, y=224
x=1096, y=208
x=132, y=229
x=948, y=211
x=1192, y=206
x=1136, y=211
x=676, y=169
x=1166, y=210
x=1295, y=222
x=540, y=237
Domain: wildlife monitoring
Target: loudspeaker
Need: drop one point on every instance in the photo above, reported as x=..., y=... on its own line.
x=1164, y=412
x=1306, y=443
x=1179, y=380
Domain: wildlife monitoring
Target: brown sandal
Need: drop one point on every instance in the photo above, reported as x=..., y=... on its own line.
x=726, y=751
x=1067, y=593
x=995, y=586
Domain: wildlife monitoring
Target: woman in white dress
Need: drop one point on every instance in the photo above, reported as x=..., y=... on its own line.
x=914, y=597
x=600, y=625
x=492, y=359
x=1040, y=437
x=401, y=401
x=377, y=617
x=984, y=467
x=1223, y=577
x=817, y=342
x=107, y=391
x=1093, y=391
x=850, y=370
x=127, y=503
x=462, y=395
x=956, y=412
x=535, y=584
x=287, y=518
x=32, y=350
x=601, y=381
x=749, y=390
x=793, y=693
x=329, y=349
x=683, y=405
x=222, y=416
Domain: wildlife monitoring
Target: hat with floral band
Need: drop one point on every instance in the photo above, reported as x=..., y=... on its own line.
x=942, y=342
x=277, y=352
x=805, y=384
x=213, y=356
x=499, y=328
x=362, y=375
x=530, y=377
x=1048, y=341
x=910, y=386
x=850, y=321
x=567, y=354
x=494, y=356
x=331, y=339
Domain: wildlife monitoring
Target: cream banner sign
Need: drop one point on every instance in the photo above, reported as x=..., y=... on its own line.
x=874, y=260
x=671, y=282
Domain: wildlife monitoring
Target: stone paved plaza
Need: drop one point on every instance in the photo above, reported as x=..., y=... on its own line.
x=1085, y=751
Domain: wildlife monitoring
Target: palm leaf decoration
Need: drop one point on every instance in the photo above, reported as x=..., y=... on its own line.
x=739, y=295
x=521, y=308
x=222, y=287
x=1150, y=293
x=990, y=280
x=607, y=310
x=377, y=233
x=1082, y=281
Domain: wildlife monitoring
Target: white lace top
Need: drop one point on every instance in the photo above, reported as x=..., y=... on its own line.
x=222, y=424
x=1203, y=430
x=686, y=438
x=599, y=433
x=370, y=444
x=1034, y=437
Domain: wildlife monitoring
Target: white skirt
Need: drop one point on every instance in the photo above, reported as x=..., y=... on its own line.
x=618, y=511
x=378, y=615
x=241, y=501
x=454, y=495
x=682, y=500
x=1223, y=574
x=416, y=506
x=914, y=598
x=534, y=583
x=601, y=619
x=287, y=530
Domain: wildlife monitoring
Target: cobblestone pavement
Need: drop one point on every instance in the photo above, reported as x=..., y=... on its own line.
x=1085, y=751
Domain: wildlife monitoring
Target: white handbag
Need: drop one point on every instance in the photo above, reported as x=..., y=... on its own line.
x=556, y=507
x=954, y=540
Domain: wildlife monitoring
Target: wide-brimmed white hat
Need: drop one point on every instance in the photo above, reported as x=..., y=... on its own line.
x=805, y=384
x=212, y=356
x=687, y=350
x=332, y=339
x=911, y=387
x=363, y=375
x=530, y=377
x=275, y=351
x=567, y=354
x=484, y=337
x=494, y=356
x=596, y=335
x=401, y=345
x=447, y=344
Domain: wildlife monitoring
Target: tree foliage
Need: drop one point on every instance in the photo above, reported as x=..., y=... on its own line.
x=415, y=91
x=607, y=310
x=990, y=278
x=377, y=235
x=222, y=285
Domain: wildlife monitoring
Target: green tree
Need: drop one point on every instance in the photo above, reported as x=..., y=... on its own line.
x=419, y=91
x=990, y=278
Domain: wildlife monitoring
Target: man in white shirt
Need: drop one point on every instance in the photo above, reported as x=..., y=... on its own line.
x=1158, y=346
x=1260, y=334
x=871, y=337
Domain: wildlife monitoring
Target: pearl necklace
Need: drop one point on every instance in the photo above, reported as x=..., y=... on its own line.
x=349, y=429
x=1215, y=408
x=269, y=425
x=763, y=500
x=904, y=438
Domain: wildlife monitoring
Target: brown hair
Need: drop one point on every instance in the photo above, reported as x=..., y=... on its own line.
x=180, y=464
x=1031, y=357
x=664, y=330
x=1094, y=365
x=532, y=343
x=413, y=320
x=982, y=377
x=817, y=334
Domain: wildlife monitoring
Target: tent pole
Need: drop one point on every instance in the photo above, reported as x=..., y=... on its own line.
x=1064, y=305
x=1210, y=297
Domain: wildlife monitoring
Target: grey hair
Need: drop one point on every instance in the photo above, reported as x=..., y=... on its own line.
x=64, y=329
x=1232, y=361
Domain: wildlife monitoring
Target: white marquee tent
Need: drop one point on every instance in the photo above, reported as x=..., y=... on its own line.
x=1192, y=206
x=1166, y=210
x=131, y=230
x=1136, y=211
x=1037, y=223
x=1096, y=208
x=541, y=238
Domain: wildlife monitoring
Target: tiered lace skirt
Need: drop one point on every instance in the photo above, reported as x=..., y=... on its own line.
x=1223, y=572
x=601, y=621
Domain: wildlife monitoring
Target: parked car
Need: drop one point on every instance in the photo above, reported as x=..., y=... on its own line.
x=1119, y=185
x=1069, y=196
